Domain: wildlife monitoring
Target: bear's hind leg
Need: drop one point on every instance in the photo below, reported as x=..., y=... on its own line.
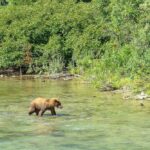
x=41, y=112
x=31, y=110
x=37, y=112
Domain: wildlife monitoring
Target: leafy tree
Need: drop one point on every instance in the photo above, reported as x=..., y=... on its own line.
x=99, y=37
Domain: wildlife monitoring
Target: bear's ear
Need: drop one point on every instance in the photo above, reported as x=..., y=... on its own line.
x=56, y=98
x=56, y=101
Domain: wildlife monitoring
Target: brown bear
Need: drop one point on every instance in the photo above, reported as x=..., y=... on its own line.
x=40, y=105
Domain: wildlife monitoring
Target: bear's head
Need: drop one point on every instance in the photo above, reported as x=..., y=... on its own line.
x=57, y=103
x=54, y=102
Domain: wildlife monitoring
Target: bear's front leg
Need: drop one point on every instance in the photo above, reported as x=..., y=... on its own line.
x=53, y=112
x=37, y=112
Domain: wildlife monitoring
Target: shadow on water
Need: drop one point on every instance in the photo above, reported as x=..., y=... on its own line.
x=57, y=115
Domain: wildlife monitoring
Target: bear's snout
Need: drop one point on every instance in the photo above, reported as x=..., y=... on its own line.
x=60, y=106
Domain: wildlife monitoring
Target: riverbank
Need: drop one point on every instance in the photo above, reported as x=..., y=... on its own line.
x=55, y=76
x=128, y=93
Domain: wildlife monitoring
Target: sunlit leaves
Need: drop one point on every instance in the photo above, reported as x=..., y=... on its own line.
x=112, y=35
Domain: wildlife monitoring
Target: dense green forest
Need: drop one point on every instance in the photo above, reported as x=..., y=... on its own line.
x=107, y=41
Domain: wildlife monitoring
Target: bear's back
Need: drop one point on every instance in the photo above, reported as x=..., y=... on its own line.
x=38, y=102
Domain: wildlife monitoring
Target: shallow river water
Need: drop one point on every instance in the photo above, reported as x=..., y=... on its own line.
x=90, y=120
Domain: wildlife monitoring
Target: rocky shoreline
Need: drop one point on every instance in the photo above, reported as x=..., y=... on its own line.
x=55, y=76
x=126, y=92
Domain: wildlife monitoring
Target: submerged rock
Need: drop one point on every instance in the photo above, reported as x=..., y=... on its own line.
x=141, y=96
x=108, y=87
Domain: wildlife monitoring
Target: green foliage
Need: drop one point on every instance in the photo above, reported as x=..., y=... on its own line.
x=3, y=2
x=107, y=39
x=21, y=2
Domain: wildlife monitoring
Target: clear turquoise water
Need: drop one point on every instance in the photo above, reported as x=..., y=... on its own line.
x=90, y=120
